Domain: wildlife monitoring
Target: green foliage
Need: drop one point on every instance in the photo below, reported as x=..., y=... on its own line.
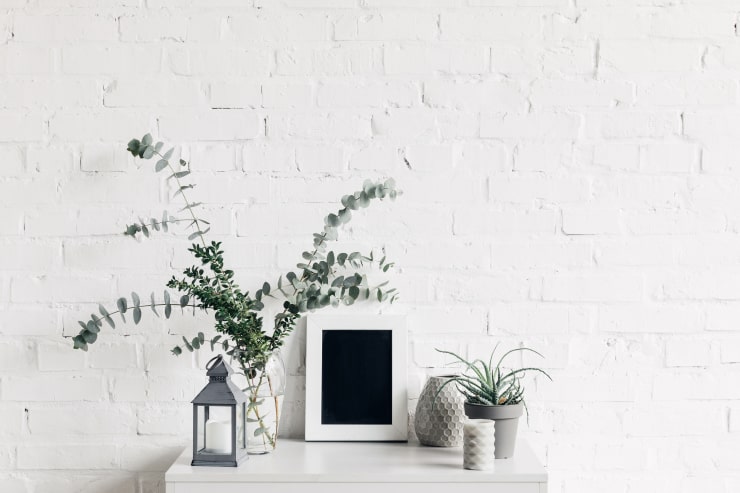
x=488, y=385
x=323, y=278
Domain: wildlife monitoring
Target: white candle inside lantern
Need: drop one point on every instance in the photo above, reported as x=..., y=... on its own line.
x=218, y=436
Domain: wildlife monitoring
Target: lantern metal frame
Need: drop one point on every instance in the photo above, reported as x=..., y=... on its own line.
x=220, y=392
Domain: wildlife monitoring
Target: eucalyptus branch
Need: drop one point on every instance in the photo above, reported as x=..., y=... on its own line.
x=145, y=149
x=91, y=327
x=143, y=227
x=181, y=190
x=210, y=286
x=320, y=266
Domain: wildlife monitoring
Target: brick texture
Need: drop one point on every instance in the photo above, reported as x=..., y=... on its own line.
x=571, y=179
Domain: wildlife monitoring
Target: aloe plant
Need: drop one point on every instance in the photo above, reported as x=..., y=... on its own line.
x=487, y=385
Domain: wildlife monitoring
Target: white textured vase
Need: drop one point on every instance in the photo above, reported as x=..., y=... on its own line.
x=479, y=444
x=440, y=414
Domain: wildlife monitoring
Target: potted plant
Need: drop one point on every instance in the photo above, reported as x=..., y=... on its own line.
x=323, y=278
x=492, y=392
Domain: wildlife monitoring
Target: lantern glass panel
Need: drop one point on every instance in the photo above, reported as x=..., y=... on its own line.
x=241, y=428
x=200, y=440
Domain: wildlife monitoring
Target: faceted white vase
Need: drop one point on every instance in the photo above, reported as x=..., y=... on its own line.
x=479, y=444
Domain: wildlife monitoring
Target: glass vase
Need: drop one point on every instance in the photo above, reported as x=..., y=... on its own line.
x=265, y=391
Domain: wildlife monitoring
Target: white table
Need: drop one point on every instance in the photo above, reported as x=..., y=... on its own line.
x=349, y=467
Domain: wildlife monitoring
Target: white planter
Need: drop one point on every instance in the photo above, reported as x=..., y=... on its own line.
x=479, y=444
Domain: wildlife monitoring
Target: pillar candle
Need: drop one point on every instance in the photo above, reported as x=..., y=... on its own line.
x=478, y=444
x=218, y=436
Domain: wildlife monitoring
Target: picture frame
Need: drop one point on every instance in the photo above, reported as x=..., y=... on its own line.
x=356, y=387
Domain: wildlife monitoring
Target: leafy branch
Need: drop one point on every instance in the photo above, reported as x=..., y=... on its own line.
x=317, y=286
x=317, y=283
x=146, y=149
x=90, y=328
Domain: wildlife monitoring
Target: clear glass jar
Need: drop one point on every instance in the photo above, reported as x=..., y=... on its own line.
x=265, y=392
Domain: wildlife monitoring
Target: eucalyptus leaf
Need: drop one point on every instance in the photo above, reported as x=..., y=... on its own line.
x=153, y=304
x=92, y=327
x=167, y=305
x=122, y=305
x=364, y=200
x=133, y=146
x=196, y=234
x=354, y=292
x=333, y=220
x=183, y=188
x=89, y=337
x=79, y=342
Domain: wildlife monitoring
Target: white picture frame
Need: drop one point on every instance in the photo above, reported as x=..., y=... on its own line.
x=317, y=326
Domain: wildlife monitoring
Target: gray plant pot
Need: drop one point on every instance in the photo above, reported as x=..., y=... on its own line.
x=507, y=422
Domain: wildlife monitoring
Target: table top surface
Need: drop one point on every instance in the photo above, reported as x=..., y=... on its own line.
x=360, y=462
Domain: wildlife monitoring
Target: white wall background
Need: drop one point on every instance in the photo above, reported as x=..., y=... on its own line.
x=571, y=176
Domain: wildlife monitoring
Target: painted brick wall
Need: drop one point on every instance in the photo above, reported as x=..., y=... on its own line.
x=572, y=179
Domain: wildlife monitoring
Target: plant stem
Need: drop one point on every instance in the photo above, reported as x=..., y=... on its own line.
x=253, y=398
x=185, y=198
x=110, y=314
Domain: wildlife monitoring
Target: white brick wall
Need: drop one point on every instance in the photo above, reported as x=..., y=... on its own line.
x=571, y=174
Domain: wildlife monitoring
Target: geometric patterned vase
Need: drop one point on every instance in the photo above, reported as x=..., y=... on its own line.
x=439, y=421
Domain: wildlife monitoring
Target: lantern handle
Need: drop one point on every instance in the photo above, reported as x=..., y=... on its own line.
x=214, y=361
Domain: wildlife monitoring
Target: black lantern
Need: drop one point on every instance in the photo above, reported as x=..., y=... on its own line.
x=219, y=419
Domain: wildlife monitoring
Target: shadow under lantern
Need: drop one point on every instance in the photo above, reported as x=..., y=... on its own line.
x=219, y=419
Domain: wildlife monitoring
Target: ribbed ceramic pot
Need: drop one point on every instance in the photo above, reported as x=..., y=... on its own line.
x=507, y=422
x=439, y=422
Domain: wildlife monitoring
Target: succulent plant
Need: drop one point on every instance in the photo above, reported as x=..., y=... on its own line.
x=484, y=384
